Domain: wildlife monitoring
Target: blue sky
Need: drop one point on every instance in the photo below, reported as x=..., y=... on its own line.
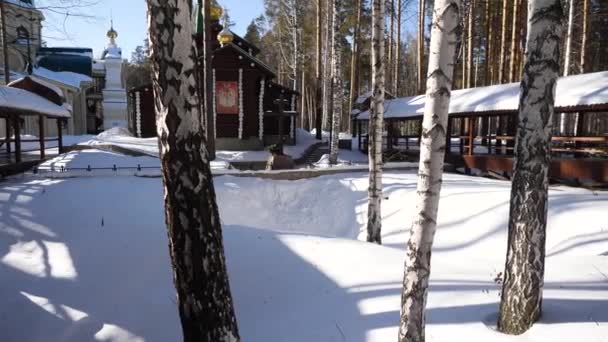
x=130, y=22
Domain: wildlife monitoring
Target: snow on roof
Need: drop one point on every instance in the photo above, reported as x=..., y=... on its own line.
x=361, y=98
x=99, y=65
x=22, y=3
x=579, y=90
x=66, y=77
x=45, y=84
x=30, y=103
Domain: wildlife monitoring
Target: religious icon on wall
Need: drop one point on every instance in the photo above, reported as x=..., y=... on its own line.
x=227, y=94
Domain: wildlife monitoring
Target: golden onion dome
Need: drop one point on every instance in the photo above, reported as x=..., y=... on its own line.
x=225, y=36
x=112, y=34
x=216, y=11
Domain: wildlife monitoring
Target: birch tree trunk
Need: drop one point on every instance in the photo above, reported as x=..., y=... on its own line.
x=420, y=47
x=319, y=83
x=376, y=124
x=584, y=35
x=444, y=39
x=470, y=39
x=192, y=217
x=354, y=63
x=327, y=86
x=569, y=37
x=396, y=79
x=391, y=42
x=515, y=27
x=208, y=81
x=336, y=82
x=521, y=297
x=503, y=43
x=488, y=44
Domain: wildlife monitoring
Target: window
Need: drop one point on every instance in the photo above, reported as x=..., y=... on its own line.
x=22, y=33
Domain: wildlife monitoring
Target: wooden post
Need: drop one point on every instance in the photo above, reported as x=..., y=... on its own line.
x=41, y=135
x=448, y=137
x=579, y=130
x=59, y=136
x=420, y=133
x=485, y=124
x=489, y=132
x=462, y=130
x=471, y=135
x=512, y=132
x=17, y=129
x=8, y=135
x=499, y=131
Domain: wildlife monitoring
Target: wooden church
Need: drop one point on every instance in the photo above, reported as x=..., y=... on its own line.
x=245, y=114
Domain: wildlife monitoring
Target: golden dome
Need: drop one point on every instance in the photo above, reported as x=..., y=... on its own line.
x=225, y=36
x=216, y=11
x=112, y=34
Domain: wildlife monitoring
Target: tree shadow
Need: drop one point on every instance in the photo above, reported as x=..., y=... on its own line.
x=68, y=277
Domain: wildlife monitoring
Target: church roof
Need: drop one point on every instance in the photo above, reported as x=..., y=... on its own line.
x=66, y=59
x=245, y=54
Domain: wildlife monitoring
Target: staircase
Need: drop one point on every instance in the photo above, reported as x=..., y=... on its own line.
x=314, y=155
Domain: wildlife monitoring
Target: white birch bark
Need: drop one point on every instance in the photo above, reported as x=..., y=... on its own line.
x=327, y=58
x=445, y=34
x=521, y=296
x=569, y=37
x=376, y=122
x=562, y=117
x=336, y=82
x=192, y=218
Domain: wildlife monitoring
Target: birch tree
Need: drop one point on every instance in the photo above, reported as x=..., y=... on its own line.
x=318, y=74
x=327, y=57
x=445, y=35
x=521, y=299
x=193, y=223
x=355, y=57
x=398, y=49
x=503, y=43
x=336, y=82
x=584, y=35
x=569, y=37
x=420, y=46
x=376, y=124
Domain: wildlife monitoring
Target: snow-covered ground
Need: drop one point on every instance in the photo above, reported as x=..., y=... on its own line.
x=86, y=259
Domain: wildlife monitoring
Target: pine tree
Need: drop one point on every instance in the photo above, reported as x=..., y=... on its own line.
x=376, y=125
x=444, y=39
x=192, y=217
x=521, y=296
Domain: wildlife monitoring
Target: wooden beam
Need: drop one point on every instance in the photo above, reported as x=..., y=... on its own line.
x=41, y=136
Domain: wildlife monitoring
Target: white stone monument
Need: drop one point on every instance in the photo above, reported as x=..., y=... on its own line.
x=114, y=93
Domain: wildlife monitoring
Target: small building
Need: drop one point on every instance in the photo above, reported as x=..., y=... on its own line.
x=245, y=97
x=29, y=97
x=483, y=121
x=93, y=88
